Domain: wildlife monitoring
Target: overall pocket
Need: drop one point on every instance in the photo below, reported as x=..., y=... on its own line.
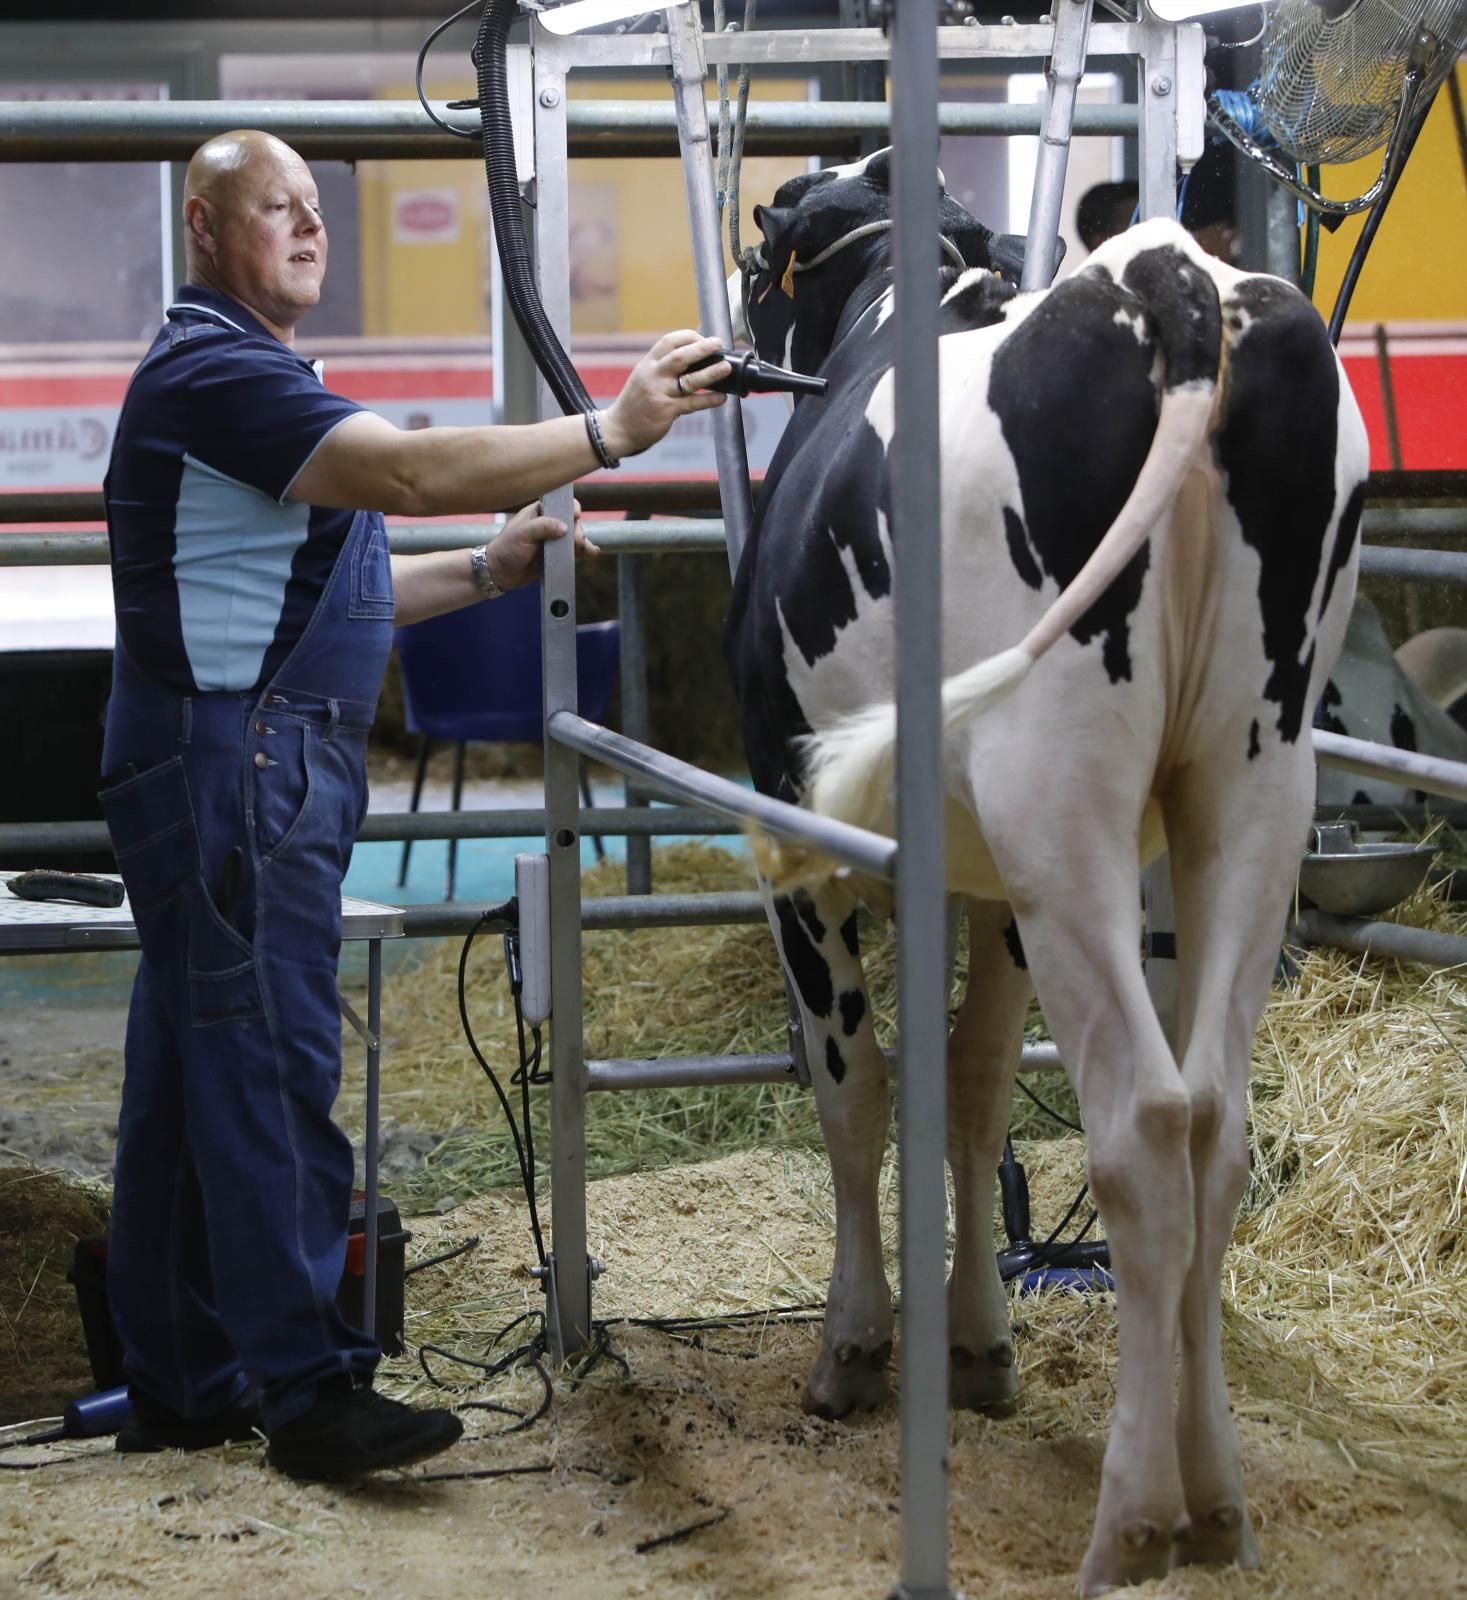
x=222, y=986
x=284, y=791
x=151, y=821
x=371, y=574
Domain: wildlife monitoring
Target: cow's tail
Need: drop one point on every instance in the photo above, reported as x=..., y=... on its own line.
x=849, y=766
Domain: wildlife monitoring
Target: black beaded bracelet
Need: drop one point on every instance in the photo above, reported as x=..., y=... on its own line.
x=598, y=440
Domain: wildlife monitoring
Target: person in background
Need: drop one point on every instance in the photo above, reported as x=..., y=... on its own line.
x=255, y=600
x=1104, y=211
x=1208, y=206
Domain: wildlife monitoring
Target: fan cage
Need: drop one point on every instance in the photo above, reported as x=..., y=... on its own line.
x=1329, y=90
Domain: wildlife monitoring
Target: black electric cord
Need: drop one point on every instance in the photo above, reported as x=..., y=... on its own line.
x=1372, y=223
x=438, y=1260
x=497, y=915
x=1049, y=1111
x=448, y=127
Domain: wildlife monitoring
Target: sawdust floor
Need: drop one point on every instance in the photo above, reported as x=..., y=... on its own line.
x=712, y=1446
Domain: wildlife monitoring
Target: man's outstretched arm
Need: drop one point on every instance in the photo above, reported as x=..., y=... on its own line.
x=367, y=464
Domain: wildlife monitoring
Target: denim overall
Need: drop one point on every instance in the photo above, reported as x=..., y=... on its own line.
x=233, y=817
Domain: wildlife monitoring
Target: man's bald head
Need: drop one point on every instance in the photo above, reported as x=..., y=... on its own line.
x=252, y=226
x=217, y=166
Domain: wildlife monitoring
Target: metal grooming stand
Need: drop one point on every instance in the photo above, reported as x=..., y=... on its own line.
x=916, y=47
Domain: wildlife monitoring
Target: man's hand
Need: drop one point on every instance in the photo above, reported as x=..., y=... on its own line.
x=516, y=555
x=657, y=393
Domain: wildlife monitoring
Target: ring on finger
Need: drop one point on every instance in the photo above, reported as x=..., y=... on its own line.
x=680, y=389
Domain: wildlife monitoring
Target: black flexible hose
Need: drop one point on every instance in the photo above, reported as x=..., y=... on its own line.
x=504, y=205
x=1373, y=222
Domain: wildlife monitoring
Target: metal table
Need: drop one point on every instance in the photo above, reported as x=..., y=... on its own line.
x=34, y=926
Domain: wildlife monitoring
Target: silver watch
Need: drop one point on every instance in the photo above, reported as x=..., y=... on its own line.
x=483, y=577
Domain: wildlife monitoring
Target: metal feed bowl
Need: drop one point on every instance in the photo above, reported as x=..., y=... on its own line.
x=1349, y=879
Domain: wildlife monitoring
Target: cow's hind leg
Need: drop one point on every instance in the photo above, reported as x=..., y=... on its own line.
x=1235, y=850
x=817, y=938
x=1070, y=867
x=982, y=1055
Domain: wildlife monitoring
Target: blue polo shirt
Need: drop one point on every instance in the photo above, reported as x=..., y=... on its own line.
x=215, y=570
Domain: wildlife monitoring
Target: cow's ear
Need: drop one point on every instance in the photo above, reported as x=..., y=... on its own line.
x=1006, y=255
x=773, y=222
x=877, y=171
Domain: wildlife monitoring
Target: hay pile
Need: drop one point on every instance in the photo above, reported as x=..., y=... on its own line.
x=42, y=1215
x=1351, y=1243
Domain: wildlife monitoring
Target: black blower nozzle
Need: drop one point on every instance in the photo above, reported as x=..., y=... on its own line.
x=750, y=375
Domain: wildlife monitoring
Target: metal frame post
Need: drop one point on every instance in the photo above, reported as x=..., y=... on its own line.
x=1065, y=68
x=568, y=1285
x=920, y=878
x=689, y=71
x=1157, y=130
x=636, y=717
x=370, y=1152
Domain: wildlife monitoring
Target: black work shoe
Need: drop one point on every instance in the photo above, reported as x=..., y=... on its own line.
x=153, y=1427
x=353, y=1430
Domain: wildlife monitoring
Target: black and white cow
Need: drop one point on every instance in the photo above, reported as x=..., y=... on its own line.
x=1151, y=484
x=1399, y=698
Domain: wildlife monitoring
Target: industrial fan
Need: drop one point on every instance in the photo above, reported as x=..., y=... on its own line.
x=1338, y=79
x=1334, y=73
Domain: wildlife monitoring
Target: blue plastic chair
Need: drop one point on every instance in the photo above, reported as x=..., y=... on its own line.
x=475, y=675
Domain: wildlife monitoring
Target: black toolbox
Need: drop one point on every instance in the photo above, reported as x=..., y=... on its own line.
x=89, y=1276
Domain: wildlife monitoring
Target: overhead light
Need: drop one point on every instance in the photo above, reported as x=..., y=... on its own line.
x=576, y=16
x=1191, y=10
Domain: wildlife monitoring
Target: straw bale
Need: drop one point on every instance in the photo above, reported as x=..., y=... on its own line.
x=42, y=1215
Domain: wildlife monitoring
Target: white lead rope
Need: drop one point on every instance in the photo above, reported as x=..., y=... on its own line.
x=865, y=231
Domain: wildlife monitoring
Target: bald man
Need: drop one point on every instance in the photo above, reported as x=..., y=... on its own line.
x=255, y=601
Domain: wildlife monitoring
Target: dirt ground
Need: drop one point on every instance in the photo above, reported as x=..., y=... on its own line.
x=694, y=1472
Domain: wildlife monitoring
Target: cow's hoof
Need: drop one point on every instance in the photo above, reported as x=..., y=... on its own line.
x=1222, y=1537
x=846, y=1379
x=1129, y=1552
x=988, y=1383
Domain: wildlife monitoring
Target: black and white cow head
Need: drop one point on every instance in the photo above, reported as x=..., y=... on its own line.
x=826, y=239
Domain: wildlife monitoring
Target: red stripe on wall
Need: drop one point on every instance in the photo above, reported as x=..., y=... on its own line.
x=1431, y=410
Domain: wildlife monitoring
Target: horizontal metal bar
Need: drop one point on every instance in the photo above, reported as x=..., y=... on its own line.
x=56, y=505
x=677, y=780
x=661, y=495
x=690, y=1072
x=651, y=496
x=1417, y=566
x=350, y=130
x=808, y=46
x=1370, y=760
x=1419, y=523
x=672, y=910
x=1389, y=939
x=1394, y=818
x=54, y=550
x=667, y=536
x=518, y=822
x=453, y=918
x=664, y=536
x=687, y=1072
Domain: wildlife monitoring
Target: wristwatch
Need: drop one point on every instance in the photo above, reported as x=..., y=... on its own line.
x=483, y=577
